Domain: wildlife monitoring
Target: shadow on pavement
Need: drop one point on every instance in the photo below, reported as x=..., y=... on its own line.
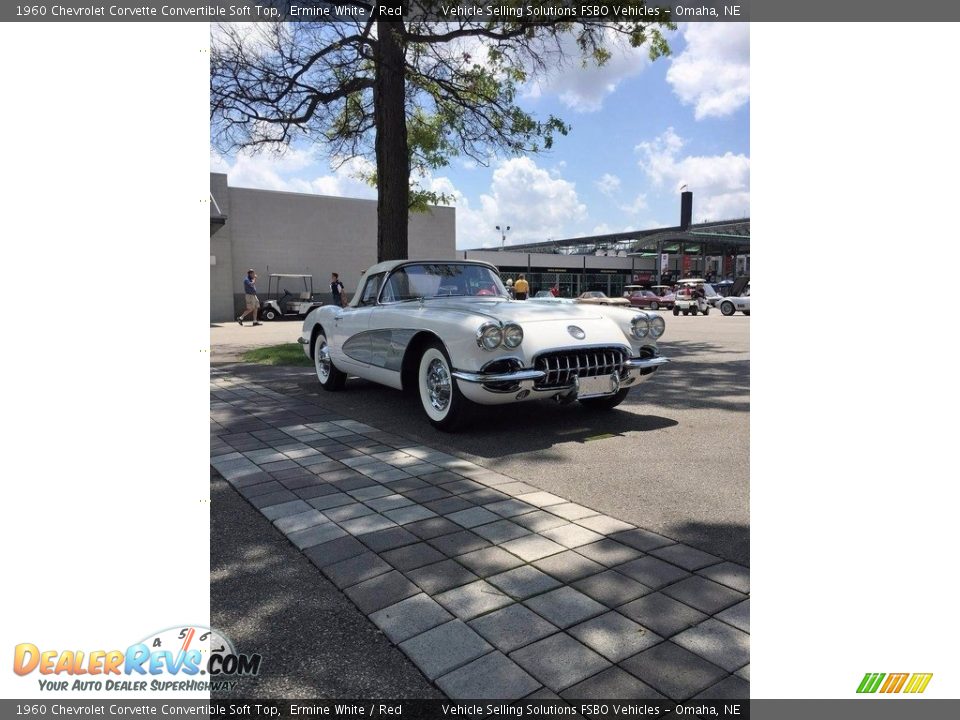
x=690, y=382
x=269, y=599
x=732, y=538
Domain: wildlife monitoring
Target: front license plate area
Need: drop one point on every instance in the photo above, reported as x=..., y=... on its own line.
x=597, y=386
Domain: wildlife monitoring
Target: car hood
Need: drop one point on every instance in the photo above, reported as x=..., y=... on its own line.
x=516, y=310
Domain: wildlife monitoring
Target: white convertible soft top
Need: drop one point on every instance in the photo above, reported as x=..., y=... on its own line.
x=389, y=265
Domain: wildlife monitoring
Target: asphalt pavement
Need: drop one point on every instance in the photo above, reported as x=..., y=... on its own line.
x=673, y=458
x=269, y=599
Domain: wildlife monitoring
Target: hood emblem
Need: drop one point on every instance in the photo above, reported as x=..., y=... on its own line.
x=578, y=333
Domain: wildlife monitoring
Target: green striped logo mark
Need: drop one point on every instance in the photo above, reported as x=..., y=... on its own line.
x=871, y=682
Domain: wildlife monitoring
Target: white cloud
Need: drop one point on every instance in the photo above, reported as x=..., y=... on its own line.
x=534, y=202
x=276, y=171
x=608, y=184
x=713, y=71
x=720, y=183
x=583, y=89
x=635, y=206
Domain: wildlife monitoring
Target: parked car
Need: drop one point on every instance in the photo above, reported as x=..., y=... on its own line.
x=448, y=332
x=739, y=298
x=649, y=299
x=595, y=297
x=544, y=294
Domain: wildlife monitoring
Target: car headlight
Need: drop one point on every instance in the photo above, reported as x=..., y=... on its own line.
x=489, y=336
x=512, y=335
x=657, y=326
x=640, y=326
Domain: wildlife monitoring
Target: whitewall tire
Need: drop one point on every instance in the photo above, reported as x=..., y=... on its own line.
x=440, y=398
x=330, y=378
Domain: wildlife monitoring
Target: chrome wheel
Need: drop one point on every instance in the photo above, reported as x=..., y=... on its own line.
x=440, y=398
x=322, y=360
x=438, y=385
x=327, y=373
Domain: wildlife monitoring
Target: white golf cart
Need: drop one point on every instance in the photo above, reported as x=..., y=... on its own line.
x=691, y=297
x=282, y=303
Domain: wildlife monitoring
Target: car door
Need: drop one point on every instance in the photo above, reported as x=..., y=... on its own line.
x=352, y=347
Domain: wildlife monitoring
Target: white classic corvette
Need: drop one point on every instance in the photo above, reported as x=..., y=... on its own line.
x=448, y=331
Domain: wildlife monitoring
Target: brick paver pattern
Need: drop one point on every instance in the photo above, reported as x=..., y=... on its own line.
x=492, y=587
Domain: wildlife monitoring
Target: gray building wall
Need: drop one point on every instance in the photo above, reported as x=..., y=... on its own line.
x=222, y=280
x=282, y=232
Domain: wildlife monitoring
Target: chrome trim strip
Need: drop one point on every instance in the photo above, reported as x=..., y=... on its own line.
x=644, y=363
x=516, y=376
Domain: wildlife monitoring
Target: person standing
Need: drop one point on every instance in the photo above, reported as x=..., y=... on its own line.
x=250, y=297
x=521, y=288
x=336, y=289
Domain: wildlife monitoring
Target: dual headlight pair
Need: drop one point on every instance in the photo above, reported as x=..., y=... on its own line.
x=641, y=326
x=490, y=336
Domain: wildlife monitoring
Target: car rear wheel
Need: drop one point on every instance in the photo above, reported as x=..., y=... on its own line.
x=330, y=378
x=746, y=312
x=606, y=403
x=441, y=399
x=727, y=308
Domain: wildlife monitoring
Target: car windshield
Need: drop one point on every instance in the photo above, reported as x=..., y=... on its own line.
x=432, y=280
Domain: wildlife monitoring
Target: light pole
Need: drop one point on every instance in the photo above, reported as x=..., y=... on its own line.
x=503, y=235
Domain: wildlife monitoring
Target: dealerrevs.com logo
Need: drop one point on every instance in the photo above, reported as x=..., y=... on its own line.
x=894, y=683
x=183, y=659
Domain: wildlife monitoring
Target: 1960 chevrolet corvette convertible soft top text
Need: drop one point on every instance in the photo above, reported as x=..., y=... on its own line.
x=449, y=332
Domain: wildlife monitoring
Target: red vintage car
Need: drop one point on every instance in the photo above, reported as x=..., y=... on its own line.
x=649, y=299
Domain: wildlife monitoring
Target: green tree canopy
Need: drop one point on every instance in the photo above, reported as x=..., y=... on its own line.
x=409, y=96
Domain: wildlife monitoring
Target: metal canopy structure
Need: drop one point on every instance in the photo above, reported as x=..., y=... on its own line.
x=725, y=237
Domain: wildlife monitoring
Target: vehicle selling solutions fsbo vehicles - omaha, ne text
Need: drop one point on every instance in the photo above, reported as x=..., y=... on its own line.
x=449, y=332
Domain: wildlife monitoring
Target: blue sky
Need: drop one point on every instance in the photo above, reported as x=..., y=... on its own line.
x=640, y=130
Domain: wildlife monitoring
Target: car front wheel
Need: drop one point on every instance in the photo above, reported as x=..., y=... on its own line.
x=330, y=378
x=727, y=309
x=654, y=306
x=440, y=397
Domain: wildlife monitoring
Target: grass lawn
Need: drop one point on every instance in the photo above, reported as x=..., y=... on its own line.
x=286, y=354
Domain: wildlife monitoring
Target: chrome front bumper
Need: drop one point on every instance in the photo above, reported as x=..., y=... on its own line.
x=631, y=364
x=516, y=376
x=645, y=363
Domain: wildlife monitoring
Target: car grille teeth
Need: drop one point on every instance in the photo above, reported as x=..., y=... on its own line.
x=561, y=367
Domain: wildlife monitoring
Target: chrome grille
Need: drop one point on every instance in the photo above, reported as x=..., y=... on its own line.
x=561, y=367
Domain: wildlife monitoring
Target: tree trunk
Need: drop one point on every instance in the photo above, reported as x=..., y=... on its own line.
x=393, y=158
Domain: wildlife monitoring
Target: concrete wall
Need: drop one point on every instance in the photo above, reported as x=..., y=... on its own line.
x=281, y=232
x=223, y=278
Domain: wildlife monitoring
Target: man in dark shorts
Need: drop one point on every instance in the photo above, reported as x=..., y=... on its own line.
x=250, y=297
